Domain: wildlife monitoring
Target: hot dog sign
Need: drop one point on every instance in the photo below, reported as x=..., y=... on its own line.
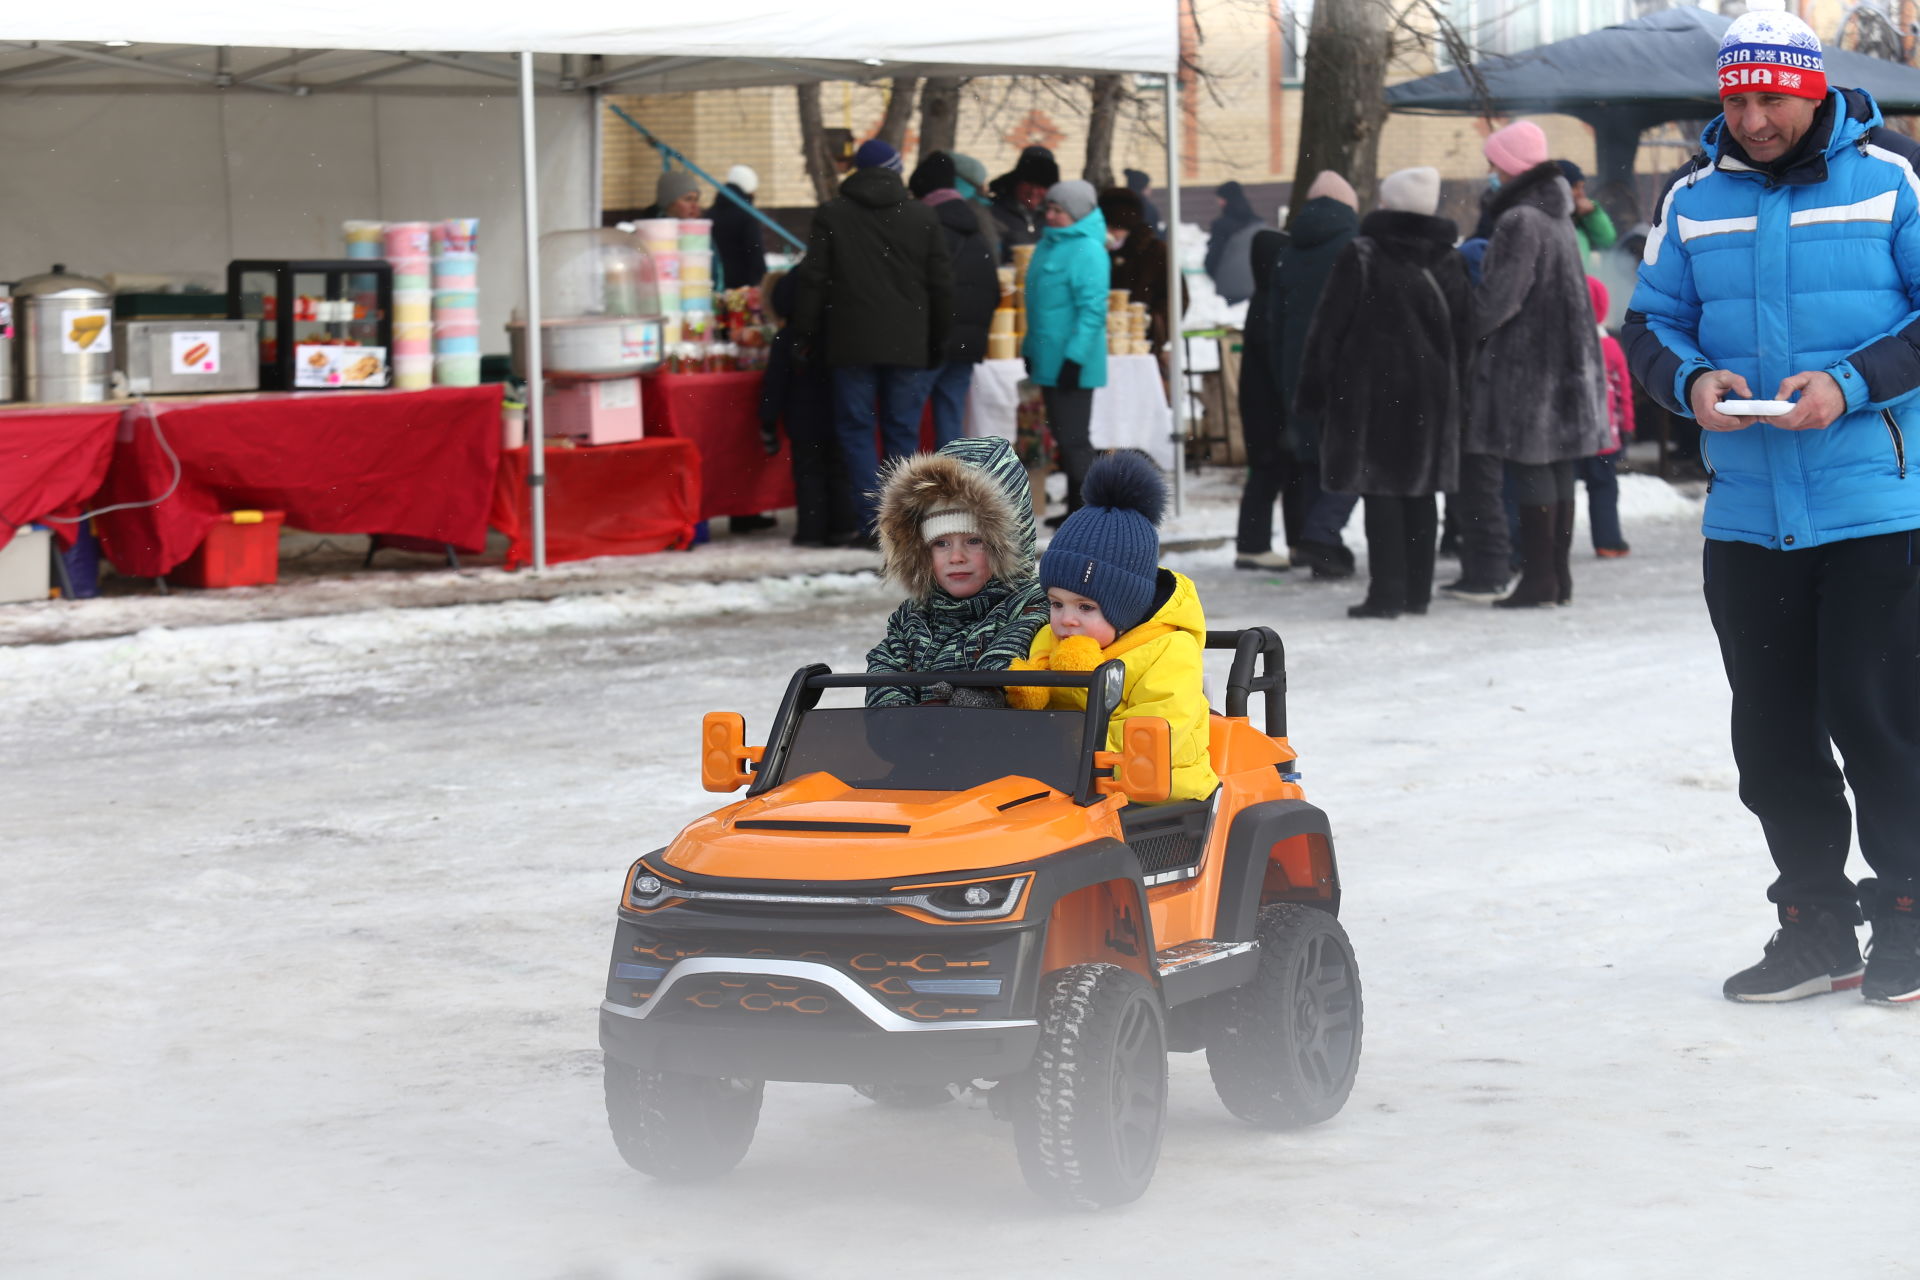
x=194, y=352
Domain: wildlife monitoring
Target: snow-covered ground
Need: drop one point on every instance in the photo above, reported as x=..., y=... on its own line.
x=306, y=926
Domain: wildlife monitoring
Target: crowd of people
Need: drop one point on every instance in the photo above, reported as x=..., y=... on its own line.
x=890, y=309
x=1388, y=360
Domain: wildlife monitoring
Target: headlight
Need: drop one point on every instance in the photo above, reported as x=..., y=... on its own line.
x=645, y=889
x=981, y=900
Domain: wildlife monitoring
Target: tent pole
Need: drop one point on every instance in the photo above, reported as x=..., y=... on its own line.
x=536, y=407
x=1176, y=340
x=596, y=172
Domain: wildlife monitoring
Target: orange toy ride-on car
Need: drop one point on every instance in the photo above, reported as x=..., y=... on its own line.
x=911, y=898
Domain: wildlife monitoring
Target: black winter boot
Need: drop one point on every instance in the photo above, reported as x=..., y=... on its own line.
x=1813, y=952
x=1563, y=550
x=1539, y=580
x=1893, y=956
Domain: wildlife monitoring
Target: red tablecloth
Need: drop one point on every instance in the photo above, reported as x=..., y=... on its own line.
x=52, y=461
x=416, y=463
x=720, y=413
x=605, y=500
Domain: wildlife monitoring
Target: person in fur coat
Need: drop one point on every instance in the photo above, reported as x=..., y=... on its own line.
x=1538, y=389
x=957, y=534
x=1385, y=371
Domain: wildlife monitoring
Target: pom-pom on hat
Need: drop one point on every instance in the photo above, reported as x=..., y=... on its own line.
x=1517, y=148
x=743, y=177
x=1109, y=550
x=1767, y=50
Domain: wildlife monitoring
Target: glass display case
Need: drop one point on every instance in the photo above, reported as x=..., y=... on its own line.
x=324, y=323
x=600, y=307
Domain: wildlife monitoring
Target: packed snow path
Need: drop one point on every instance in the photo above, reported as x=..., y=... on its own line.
x=307, y=924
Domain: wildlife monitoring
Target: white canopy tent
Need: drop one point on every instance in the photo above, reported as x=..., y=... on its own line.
x=307, y=49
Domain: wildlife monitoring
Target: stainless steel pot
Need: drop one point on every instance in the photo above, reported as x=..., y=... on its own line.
x=65, y=343
x=590, y=347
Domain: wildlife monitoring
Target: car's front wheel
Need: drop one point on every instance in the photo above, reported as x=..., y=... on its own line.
x=1090, y=1111
x=680, y=1127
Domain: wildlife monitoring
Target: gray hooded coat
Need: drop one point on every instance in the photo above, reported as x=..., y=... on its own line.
x=1539, y=385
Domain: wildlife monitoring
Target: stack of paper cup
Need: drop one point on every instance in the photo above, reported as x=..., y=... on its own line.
x=696, y=279
x=456, y=311
x=409, y=248
x=365, y=240
x=456, y=235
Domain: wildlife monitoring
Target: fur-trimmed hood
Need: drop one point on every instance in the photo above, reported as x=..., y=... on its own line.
x=980, y=475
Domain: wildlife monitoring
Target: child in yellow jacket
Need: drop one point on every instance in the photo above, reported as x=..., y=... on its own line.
x=1108, y=597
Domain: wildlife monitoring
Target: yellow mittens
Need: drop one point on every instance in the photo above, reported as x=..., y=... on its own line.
x=1026, y=699
x=1076, y=653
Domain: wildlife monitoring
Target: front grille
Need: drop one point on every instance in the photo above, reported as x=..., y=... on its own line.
x=924, y=977
x=759, y=998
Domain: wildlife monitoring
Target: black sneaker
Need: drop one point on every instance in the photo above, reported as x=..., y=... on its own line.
x=1893, y=956
x=1805, y=957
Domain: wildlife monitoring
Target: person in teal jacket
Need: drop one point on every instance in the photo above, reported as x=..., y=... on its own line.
x=1066, y=344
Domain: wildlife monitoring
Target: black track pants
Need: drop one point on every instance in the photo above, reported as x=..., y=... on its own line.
x=1822, y=651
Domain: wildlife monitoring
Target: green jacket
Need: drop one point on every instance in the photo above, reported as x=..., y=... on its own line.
x=1595, y=231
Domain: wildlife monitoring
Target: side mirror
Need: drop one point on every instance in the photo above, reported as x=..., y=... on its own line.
x=1143, y=769
x=724, y=752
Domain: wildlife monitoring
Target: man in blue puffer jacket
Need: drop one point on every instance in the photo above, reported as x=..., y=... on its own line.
x=1785, y=263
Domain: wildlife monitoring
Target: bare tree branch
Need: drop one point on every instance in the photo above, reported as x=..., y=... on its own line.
x=900, y=100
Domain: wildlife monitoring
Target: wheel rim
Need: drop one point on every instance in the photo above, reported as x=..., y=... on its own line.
x=1323, y=1014
x=1138, y=1089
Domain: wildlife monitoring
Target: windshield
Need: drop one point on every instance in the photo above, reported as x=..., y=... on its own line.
x=937, y=748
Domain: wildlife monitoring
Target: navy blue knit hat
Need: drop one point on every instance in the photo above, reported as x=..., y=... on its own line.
x=875, y=154
x=1108, y=550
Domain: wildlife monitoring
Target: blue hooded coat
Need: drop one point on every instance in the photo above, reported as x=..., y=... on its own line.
x=1067, y=284
x=1768, y=271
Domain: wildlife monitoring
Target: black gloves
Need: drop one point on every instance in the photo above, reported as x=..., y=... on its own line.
x=1069, y=379
x=964, y=696
x=770, y=438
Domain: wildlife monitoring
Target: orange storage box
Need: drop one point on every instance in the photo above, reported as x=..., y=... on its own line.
x=242, y=549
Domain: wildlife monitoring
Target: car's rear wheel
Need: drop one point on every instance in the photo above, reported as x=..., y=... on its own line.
x=907, y=1097
x=677, y=1126
x=1091, y=1110
x=1284, y=1049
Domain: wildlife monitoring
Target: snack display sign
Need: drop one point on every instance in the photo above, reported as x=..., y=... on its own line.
x=193, y=352
x=86, y=333
x=317, y=365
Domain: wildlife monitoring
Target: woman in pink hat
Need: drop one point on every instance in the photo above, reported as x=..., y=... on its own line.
x=1537, y=394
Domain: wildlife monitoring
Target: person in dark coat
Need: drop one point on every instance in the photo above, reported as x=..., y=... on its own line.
x=1273, y=472
x=1139, y=259
x=1321, y=228
x=1020, y=197
x=1230, y=243
x=976, y=294
x=797, y=394
x=876, y=302
x=1538, y=392
x=1385, y=370
x=1142, y=185
x=737, y=247
x=970, y=180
